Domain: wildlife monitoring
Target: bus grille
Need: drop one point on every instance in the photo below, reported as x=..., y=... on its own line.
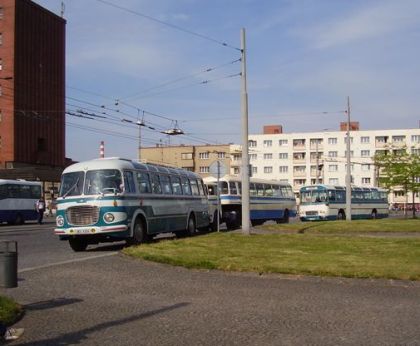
x=311, y=213
x=83, y=215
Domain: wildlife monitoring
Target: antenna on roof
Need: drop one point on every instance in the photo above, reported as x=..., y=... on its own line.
x=63, y=7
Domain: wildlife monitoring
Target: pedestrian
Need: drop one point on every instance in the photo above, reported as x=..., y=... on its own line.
x=8, y=334
x=40, y=208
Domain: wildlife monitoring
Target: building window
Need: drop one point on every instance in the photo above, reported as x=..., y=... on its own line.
x=365, y=181
x=204, y=169
x=332, y=141
x=413, y=151
x=332, y=168
x=283, y=156
x=365, y=168
x=268, y=169
x=365, y=153
x=1, y=38
x=364, y=139
x=398, y=139
x=283, y=169
x=236, y=170
x=268, y=143
x=332, y=154
x=1, y=116
x=186, y=156
x=333, y=181
x=268, y=156
x=282, y=142
x=236, y=157
x=1, y=13
x=415, y=138
x=191, y=169
x=351, y=153
x=399, y=194
x=351, y=140
x=1, y=91
x=351, y=167
x=298, y=142
x=252, y=144
x=299, y=169
x=204, y=156
x=254, y=170
x=297, y=182
x=1, y=64
x=221, y=155
x=252, y=157
x=284, y=181
x=299, y=156
x=381, y=139
x=1, y=143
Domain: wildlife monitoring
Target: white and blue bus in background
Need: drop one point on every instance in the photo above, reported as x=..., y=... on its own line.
x=114, y=199
x=269, y=200
x=18, y=199
x=324, y=202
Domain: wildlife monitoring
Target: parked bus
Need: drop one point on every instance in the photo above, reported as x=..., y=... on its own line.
x=323, y=202
x=17, y=200
x=269, y=200
x=114, y=199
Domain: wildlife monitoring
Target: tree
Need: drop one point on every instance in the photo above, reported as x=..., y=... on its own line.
x=399, y=169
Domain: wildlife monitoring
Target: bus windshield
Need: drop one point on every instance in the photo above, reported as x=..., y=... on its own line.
x=103, y=181
x=71, y=184
x=313, y=196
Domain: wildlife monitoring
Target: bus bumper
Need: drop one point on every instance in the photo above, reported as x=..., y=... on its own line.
x=92, y=230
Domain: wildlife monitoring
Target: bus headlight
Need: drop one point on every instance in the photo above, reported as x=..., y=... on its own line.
x=109, y=217
x=59, y=220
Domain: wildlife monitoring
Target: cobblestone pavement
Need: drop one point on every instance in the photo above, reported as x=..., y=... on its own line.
x=116, y=300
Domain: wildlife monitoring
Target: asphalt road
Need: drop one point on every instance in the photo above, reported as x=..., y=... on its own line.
x=101, y=297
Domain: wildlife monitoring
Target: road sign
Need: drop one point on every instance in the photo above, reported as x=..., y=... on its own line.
x=218, y=168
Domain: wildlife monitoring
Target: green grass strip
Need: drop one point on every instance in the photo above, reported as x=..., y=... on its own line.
x=9, y=310
x=358, y=257
x=381, y=225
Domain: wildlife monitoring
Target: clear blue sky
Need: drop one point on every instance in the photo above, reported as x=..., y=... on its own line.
x=304, y=57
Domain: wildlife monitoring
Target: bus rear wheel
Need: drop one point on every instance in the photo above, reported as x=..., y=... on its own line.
x=78, y=244
x=374, y=214
x=19, y=220
x=341, y=215
x=191, y=229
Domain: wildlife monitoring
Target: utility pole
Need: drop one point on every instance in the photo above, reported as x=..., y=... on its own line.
x=245, y=158
x=348, y=175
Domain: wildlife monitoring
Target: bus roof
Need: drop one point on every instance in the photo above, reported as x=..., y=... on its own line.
x=251, y=180
x=342, y=188
x=120, y=164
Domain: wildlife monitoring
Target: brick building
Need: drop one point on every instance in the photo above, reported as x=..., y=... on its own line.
x=32, y=92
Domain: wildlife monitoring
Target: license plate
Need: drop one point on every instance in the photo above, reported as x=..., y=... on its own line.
x=82, y=231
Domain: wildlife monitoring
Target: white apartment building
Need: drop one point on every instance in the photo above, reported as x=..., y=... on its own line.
x=293, y=157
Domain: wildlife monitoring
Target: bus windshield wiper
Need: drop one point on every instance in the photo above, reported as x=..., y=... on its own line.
x=71, y=189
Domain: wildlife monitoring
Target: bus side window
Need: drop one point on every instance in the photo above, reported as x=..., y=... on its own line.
x=260, y=190
x=252, y=189
x=331, y=195
x=194, y=187
x=3, y=192
x=166, y=185
x=156, y=188
x=186, y=186
x=224, y=189
x=176, y=185
x=200, y=188
x=268, y=190
x=143, y=182
x=12, y=191
x=35, y=191
x=276, y=191
x=232, y=186
x=239, y=188
x=130, y=187
x=25, y=191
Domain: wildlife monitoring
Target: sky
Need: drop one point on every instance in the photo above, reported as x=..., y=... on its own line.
x=303, y=59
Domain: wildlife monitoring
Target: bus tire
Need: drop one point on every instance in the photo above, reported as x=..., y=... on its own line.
x=286, y=216
x=213, y=225
x=191, y=227
x=78, y=244
x=19, y=220
x=341, y=215
x=374, y=214
x=140, y=235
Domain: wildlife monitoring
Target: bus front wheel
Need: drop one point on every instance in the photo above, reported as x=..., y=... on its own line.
x=78, y=244
x=374, y=214
x=139, y=234
x=191, y=226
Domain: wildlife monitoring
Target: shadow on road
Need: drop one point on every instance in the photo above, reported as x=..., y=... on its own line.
x=80, y=335
x=52, y=303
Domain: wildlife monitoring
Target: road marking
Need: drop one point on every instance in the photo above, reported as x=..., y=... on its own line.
x=67, y=262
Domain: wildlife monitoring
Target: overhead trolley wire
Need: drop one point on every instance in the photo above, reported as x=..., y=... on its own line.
x=173, y=26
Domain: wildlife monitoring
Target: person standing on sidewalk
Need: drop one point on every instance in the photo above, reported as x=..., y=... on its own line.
x=40, y=208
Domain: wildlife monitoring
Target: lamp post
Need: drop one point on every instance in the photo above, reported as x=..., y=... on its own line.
x=348, y=175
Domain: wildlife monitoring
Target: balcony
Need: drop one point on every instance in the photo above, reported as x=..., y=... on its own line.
x=381, y=142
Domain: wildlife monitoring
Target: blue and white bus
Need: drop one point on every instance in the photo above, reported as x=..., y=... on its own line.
x=114, y=199
x=324, y=202
x=269, y=200
x=18, y=199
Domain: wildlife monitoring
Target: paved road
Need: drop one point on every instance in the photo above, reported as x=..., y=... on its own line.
x=116, y=300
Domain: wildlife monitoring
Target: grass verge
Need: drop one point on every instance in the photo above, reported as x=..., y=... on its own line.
x=361, y=226
x=358, y=257
x=9, y=310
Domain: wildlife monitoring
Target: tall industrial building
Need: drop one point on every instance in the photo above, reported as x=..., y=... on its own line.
x=32, y=91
